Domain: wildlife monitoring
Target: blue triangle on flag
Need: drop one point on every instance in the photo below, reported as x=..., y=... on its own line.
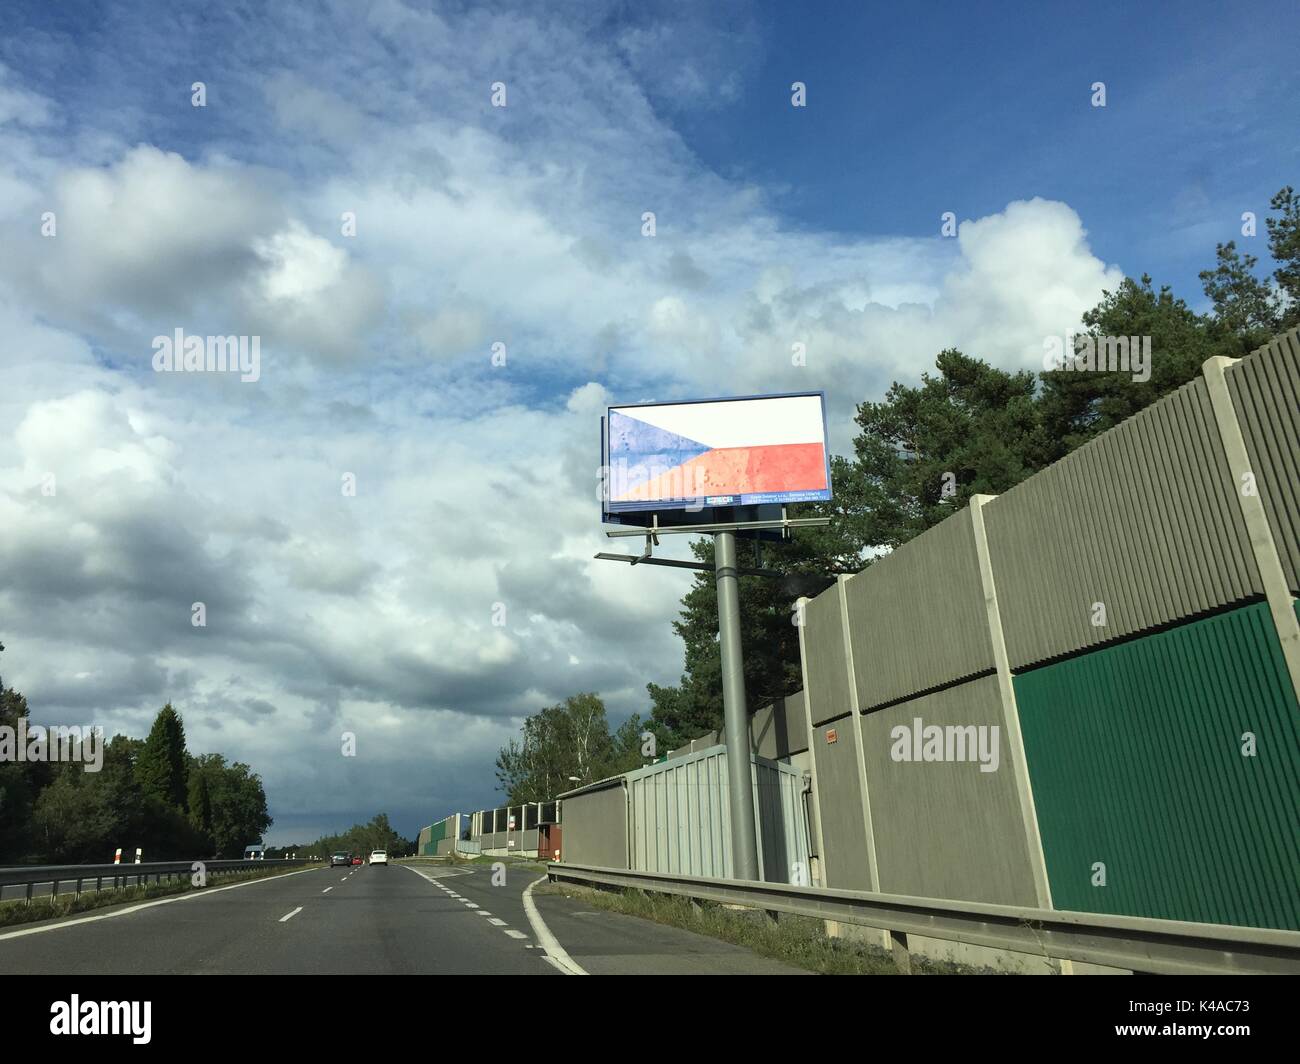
x=639, y=451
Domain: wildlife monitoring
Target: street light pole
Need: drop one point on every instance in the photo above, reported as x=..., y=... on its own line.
x=740, y=794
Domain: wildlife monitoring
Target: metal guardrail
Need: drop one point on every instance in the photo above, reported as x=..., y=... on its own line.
x=1171, y=947
x=126, y=874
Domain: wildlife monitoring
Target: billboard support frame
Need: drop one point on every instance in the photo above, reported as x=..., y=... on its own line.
x=643, y=559
x=655, y=529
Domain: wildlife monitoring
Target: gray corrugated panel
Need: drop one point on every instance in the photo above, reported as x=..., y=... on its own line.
x=1265, y=389
x=1143, y=519
x=917, y=617
x=783, y=828
x=595, y=828
x=680, y=821
x=778, y=730
x=703, y=742
x=679, y=816
x=946, y=829
x=792, y=726
x=802, y=764
x=762, y=731
x=826, y=683
x=844, y=834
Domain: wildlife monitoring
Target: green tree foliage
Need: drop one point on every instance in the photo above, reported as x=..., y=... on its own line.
x=198, y=800
x=360, y=839
x=923, y=452
x=20, y=783
x=1075, y=407
x=237, y=802
x=160, y=766
x=76, y=817
x=1284, y=246
x=562, y=741
x=83, y=817
x=1244, y=305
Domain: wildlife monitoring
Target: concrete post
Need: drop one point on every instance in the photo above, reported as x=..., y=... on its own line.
x=1280, y=604
x=1010, y=711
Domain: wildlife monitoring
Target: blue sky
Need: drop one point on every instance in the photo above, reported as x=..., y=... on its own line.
x=917, y=109
x=478, y=225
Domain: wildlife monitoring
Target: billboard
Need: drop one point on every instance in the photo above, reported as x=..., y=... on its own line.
x=709, y=453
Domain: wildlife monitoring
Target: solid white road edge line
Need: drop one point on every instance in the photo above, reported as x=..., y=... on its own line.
x=289, y=916
x=554, y=951
x=202, y=893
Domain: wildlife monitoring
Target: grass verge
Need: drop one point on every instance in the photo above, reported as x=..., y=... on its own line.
x=21, y=912
x=799, y=941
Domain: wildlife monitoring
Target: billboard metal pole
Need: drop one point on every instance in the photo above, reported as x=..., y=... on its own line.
x=744, y=848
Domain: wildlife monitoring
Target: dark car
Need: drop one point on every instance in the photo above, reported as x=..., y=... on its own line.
x=340, y=859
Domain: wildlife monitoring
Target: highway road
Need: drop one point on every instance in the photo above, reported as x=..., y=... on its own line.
x=395, y=920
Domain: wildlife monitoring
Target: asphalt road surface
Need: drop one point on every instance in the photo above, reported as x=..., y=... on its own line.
x=394, y=920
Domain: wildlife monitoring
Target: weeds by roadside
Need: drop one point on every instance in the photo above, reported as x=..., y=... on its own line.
x=799, y=941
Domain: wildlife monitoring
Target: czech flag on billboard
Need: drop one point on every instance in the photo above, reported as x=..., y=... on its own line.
x=717, y=452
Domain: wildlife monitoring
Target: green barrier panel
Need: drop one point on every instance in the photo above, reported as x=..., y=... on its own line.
x=1135, y=754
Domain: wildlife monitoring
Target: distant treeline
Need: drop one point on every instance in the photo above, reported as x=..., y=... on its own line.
x=149, y=793
x=360, y=839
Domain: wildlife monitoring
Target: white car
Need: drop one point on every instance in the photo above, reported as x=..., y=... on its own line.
x=379, y=857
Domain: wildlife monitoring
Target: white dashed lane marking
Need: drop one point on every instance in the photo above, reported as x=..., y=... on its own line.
x=289, y=916
x=477, y=910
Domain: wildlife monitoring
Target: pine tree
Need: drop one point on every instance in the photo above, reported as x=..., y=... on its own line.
x=199, y=800
x=161, y=768
x=1243, y=303
x=1284, y=246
